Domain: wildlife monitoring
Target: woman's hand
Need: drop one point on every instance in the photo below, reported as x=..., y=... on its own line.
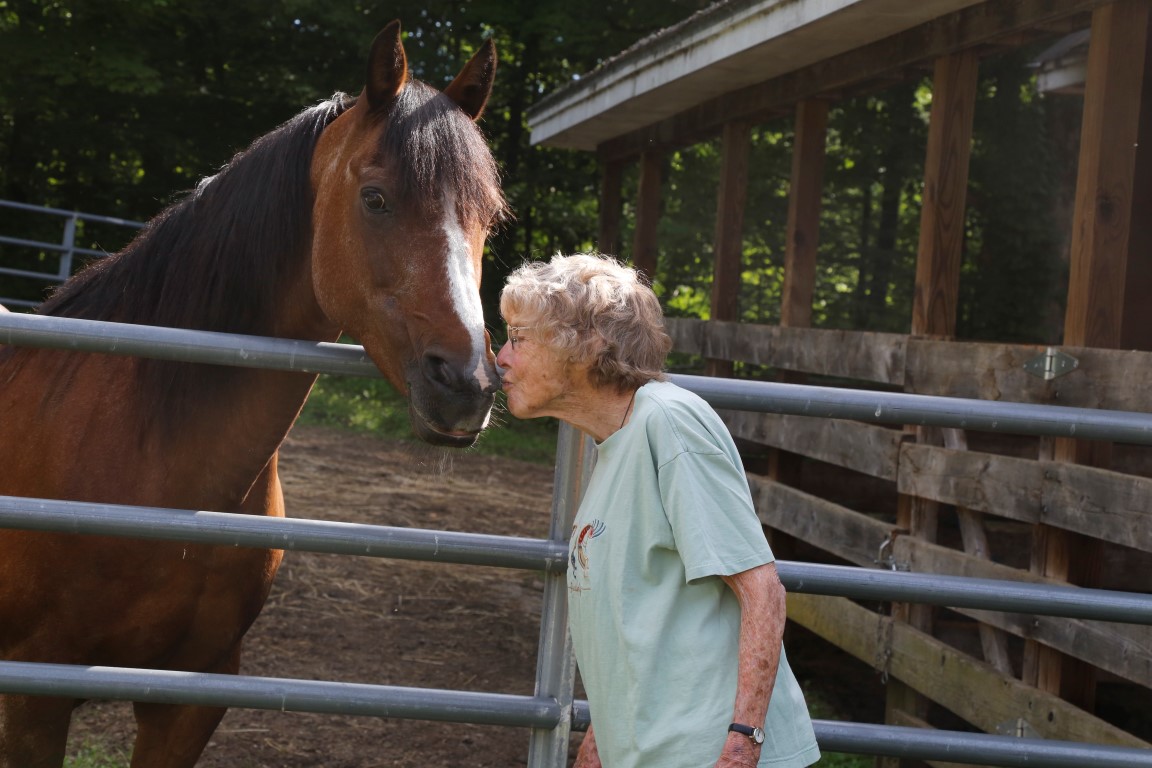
x=739, y=752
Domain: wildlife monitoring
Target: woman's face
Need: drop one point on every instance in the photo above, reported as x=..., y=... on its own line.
x=538, y=379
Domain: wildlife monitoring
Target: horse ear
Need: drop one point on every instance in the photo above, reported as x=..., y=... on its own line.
x=473, y=85
x=387, y=67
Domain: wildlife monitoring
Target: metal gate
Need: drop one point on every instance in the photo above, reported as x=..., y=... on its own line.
x=551, y=712
x=63, y=253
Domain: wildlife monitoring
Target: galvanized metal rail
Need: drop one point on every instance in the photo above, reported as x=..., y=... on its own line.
x=796, y=399
x=552, y=712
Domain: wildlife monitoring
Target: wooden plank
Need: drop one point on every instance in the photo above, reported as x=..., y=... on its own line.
x=1103, y=378
x=1099, y=503
x=922, y=556
x=970, y=688
x=945, y=191
x=647, y=213
x=865, y=448
x=849, y=535
x=1122, y=649
x=687, y=334
x=993, y=641
x=803, y=228
x=1106, y=505
x=611, y=192
x=1000, y=485
x=875, y=357
x=894, y=58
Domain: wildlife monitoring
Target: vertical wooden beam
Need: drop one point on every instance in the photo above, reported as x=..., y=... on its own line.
x=1105, y=179
x=1101, y=228
x=945, y=189
x=647, y=213
x=804, y=199
x=728, y=241
x=937, y=289
x=1136, y=328
x=805, y=194
x=611, y=197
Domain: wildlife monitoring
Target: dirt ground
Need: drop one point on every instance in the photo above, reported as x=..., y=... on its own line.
x=389, y=622
x=393, y=622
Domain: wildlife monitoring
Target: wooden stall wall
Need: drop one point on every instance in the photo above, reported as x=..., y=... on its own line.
x=991, y=494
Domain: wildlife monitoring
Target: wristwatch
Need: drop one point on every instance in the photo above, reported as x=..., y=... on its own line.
x=755, y=734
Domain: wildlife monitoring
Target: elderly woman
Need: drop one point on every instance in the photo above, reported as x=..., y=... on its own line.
x=676, y=611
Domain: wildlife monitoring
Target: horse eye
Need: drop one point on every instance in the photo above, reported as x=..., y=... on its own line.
x=374, y=201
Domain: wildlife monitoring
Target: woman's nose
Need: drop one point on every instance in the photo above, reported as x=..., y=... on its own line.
x=502, y=359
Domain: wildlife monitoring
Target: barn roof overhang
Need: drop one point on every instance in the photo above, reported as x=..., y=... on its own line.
x=712, y=61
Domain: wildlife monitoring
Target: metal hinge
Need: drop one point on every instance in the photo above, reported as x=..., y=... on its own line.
x=1050, y=364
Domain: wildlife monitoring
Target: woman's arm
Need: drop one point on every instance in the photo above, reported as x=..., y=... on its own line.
x=762, y=616
x=587, y=756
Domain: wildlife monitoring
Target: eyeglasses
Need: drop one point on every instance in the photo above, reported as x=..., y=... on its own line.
x=513, y=337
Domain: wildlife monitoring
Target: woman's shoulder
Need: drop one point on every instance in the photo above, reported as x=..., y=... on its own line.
x=680, y=415
x=673, y=399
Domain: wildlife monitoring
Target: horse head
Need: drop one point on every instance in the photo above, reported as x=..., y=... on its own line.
x=406, y=192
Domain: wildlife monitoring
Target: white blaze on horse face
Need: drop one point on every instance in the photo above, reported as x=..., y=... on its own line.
x=462, y=282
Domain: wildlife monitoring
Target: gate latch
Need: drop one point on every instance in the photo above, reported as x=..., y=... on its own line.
x=884, y=556
x=1050, y=364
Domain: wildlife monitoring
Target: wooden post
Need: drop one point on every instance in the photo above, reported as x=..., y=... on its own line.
x=728, y=242
x=647, y=213
x=937, y=290
x=804, y=199
x=1136, y=329
x=611, y=182
x=802, y=238
x=945, y=188
x=1103, y=216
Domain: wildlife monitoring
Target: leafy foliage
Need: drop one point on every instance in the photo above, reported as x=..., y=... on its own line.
x=115, y=107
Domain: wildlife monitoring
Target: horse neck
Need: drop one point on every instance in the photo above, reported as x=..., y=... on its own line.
x=233, y=257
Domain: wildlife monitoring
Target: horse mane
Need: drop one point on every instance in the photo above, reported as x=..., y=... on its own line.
x=216, y=259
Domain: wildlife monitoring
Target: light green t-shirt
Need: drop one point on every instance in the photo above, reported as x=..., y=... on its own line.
x=655, y=630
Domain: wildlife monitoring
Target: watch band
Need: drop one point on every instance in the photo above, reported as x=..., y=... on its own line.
x=756, y=735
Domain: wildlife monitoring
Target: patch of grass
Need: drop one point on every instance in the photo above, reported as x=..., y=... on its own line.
x=372, y=405
x=96, y=756
x=820, y=708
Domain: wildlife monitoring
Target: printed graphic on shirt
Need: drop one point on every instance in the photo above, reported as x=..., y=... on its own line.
x=578, y=576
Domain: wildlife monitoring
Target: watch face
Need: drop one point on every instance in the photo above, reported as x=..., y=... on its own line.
x=758, y=735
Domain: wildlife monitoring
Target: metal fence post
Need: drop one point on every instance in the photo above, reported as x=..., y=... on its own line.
x=69, y=244
x=555, y=665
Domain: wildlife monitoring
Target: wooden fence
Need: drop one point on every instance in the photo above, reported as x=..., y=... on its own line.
x=1006, y=498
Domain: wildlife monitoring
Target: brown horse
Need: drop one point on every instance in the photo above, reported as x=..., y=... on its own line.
x=366, y=215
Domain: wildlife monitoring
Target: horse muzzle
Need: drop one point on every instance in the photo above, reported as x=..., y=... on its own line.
x=448, y=404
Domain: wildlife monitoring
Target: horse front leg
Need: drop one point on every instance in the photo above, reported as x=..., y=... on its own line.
x=34, y=731
x=174, y=735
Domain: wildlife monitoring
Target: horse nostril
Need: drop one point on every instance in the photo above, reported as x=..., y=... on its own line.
x=438, y=370
x=443, y=373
